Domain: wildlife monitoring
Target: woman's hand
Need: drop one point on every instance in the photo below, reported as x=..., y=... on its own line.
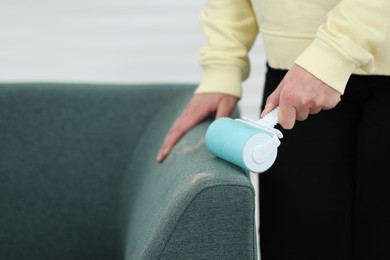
x=299, y=94
x=198, y=109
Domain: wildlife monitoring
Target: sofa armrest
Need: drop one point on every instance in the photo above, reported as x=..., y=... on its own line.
x=193, y=206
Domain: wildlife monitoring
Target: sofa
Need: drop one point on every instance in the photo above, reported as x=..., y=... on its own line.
x=78, y=178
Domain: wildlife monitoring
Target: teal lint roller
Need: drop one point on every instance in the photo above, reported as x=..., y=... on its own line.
x=251, y=145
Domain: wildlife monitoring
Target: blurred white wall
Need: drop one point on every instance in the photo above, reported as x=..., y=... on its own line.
x=109, y=41
x=120, y=41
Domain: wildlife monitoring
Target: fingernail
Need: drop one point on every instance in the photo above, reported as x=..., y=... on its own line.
x=159, y=157
x=264, y=110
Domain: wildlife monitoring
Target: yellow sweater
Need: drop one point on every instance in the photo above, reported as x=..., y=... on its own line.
x=331, y=39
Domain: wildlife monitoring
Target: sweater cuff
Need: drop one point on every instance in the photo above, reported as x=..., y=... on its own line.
x=226, y=80
x=326, y=64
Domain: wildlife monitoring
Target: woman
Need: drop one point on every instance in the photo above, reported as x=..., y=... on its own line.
x=326, y=196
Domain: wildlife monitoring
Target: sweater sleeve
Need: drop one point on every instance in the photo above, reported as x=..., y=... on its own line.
x=230, y=28
x=356, y=35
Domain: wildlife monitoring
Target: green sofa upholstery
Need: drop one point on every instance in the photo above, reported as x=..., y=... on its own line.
x=78, y=178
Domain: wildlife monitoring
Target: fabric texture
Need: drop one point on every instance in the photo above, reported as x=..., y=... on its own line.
x=78, y=178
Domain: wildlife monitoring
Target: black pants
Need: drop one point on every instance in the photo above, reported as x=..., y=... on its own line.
x=328, y=194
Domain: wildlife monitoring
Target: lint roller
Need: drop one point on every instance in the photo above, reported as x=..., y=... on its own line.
x=251, y=145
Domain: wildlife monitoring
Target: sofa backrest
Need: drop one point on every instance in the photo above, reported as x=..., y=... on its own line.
x=64, y=151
